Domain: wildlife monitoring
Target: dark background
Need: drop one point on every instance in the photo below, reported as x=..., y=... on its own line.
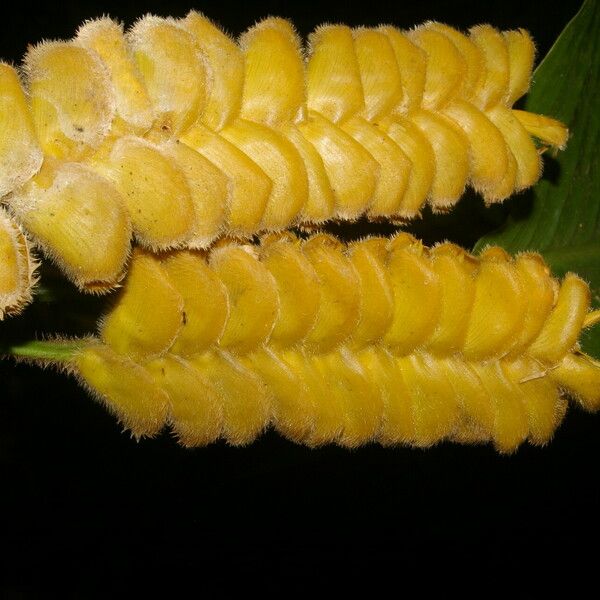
x=82, y=505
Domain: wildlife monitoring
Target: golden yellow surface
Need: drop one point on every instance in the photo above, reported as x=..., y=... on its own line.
x=383, y=340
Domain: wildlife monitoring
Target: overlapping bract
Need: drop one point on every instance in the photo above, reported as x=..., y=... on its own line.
x=381, y=340
x=17, y=268
x=177, y=134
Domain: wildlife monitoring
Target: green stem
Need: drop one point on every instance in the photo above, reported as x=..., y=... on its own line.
x=45, y=350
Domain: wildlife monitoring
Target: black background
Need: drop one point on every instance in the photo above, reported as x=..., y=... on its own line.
x=83, y=506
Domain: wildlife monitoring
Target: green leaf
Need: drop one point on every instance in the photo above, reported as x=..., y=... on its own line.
x=560, y=217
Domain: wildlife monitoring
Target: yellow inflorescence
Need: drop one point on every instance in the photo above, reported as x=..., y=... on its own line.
x=381, y=340
x=17, y=268
x=178, y=135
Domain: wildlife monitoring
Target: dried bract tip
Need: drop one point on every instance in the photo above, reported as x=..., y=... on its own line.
x=17, y=268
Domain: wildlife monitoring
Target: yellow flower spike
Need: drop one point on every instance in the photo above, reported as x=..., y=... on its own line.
x=148, y=313
x=340, y=300
x=253, y=299
x=297, y=287
x=225, y=70
x=333, y=84
x=209, y=193
x=451, y=149
x=561, y=329
x=369, y=259
x=446, y=68
x=580, y=376
x=172, y=69
x=245, y=399
x=521, y=56
x=412, y=63
x=416, y=293
x=329, y=350
x=205, y=302
x=126, y=388
x=79, y=220
x=379, y=73
x=455, y=270
x=154, y=189
x=105, y=37
x=274, y=73
x=498, y=309
x=544, y=407
x=494, y=88
x=71, y=98
x=250, y=187
x=281, y=162
x=17, y=268
x=248, y=138
x=195, y=407
x=352, y=170
x=20, y=154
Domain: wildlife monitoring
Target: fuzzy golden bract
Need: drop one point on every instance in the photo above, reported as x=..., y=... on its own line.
x=148, y=313
x=71, y=101
x=132, y=104
x=78, y=219
x=20, y=155
x=127, y=388
x=17, y=268
x=380, y=340
x=199, y=137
